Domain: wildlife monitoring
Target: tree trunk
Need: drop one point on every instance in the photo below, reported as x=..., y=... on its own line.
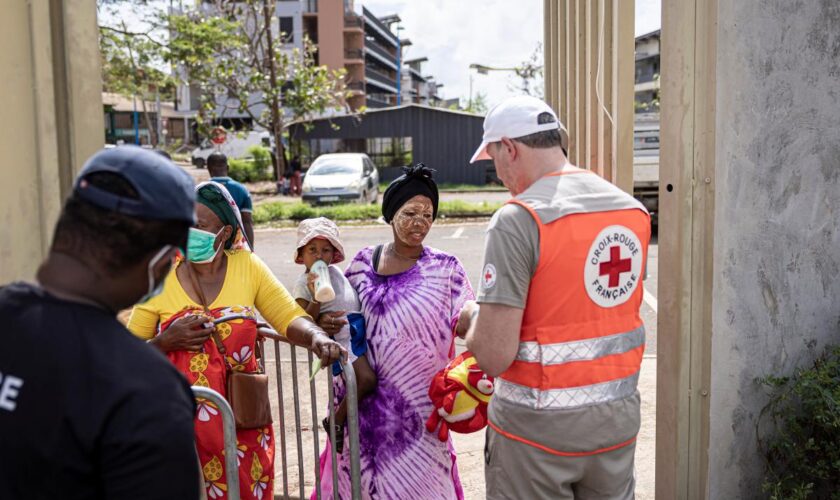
x=276, y=115
x=153, y=138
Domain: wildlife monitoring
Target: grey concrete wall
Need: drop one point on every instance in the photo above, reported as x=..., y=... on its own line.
x=777, y=214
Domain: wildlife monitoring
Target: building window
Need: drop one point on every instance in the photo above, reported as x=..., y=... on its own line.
x=390, y=151
x=384, y=151
x=123, y=120
x=287, y=29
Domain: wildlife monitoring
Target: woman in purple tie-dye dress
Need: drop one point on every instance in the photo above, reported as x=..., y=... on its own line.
x=411, y=303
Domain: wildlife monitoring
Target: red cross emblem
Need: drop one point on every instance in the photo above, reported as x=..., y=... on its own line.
x=489, y=276
x=615, y=266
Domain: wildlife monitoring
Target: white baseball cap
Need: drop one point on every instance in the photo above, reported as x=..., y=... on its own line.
x=516, y=117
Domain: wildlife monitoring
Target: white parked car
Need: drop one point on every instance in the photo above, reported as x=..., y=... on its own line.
x=341, y=177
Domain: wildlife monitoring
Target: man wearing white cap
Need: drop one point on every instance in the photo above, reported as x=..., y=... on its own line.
x=559, y=325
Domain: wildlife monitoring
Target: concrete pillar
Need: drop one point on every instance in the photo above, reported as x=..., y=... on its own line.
x=749, y=226
x=52, y=120
x=589, y=65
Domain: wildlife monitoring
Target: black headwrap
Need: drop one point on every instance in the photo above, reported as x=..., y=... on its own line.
x=417, y=180
x=211, y=197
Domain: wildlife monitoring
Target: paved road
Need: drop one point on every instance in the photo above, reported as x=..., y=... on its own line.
x=276, y=247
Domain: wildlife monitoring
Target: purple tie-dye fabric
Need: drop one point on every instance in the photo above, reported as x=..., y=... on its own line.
x=410, y=318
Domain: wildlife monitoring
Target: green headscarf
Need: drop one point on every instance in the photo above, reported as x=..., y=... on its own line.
x=215, y=197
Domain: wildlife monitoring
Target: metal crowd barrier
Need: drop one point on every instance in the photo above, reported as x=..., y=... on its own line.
x=352, y=424
x=229, y=426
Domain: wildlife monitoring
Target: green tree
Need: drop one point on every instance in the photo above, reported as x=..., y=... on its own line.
x=232, y=55
x=530, y=74
x=252, y=72
x=477, y=105
x=132, y=64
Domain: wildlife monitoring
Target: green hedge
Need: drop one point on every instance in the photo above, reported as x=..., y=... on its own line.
x=279, y=211
x=254, y=168
x=799, y=431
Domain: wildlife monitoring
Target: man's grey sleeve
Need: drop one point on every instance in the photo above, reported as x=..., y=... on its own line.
x=511, y=254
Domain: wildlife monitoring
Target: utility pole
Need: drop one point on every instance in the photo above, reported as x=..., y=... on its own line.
x=399, y=66
x=157, y=113
x=276, y=119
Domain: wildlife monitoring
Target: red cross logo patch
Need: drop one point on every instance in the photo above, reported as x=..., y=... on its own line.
x=613, y=268
x=488, y=277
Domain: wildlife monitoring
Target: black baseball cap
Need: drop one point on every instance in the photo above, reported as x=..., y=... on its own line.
x=165, y=191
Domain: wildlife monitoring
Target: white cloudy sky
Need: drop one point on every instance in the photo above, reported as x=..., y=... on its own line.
x=455, y=33
x=502, y=33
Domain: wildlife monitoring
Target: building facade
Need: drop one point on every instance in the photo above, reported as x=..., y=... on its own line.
x=347, y=36
x=394, y=137
x=647, y=72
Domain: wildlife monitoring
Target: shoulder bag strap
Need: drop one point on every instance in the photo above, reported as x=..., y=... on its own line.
x=200, y=291
x=377, y=254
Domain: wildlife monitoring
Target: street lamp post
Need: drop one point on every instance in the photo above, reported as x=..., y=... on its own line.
x=399, y=66
x=482, y=69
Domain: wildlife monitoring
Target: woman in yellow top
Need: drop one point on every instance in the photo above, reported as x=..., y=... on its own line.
x=221, y=276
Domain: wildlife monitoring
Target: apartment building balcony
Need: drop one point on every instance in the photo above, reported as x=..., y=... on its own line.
x=416, y=75
x=354, y=56
x=377, y=27
x=380, y=79
x=381, y=54
x=356, y=88
x=353, y=22
x=645, y=86
x=376, y=100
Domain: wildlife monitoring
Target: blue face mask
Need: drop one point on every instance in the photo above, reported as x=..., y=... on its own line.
x=201, y=246
x=154, y=290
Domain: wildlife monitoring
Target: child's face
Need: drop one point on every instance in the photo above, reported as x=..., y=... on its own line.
x=317, y=249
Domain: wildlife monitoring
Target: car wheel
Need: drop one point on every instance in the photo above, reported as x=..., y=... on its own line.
x=198, y=162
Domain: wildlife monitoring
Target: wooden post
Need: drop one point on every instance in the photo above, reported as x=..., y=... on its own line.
x=589, y=68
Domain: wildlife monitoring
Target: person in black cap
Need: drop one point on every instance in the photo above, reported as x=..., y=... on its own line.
x=86, y=409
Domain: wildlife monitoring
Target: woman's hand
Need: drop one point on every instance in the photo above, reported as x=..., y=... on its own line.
x=185, y=334
x=466, y=318
x=327, y=349
x=303, y=332
x=332, y=322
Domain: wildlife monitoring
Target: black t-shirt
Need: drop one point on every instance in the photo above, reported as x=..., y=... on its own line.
x=86, y=409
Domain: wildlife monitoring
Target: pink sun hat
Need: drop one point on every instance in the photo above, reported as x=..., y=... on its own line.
x=323, y=228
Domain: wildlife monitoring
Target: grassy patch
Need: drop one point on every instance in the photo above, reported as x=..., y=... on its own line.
x=279, y=211
x=449, y=187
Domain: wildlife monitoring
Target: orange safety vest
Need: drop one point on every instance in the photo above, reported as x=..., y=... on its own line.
x=582, y=338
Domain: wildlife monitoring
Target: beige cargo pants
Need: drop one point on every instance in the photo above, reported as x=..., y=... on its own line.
x=515, y=470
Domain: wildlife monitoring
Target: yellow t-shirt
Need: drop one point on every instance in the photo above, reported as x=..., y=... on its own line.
x=248, y=283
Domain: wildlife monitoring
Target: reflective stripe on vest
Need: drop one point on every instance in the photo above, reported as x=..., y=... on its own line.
x=582, y=338
x=565, y=399
x=581, y=350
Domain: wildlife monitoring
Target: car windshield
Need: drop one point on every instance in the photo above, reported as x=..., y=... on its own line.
x=335, y=169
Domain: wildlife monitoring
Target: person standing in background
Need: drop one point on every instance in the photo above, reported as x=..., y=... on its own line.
x=217, y=166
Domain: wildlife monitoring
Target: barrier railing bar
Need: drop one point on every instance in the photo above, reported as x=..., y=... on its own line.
x=229, y=428
x=298, y=434
x=353, y=424
x=315, y=429
x=331, y=399
x=282, y=412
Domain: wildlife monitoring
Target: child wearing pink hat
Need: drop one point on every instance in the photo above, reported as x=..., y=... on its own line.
x=318, y=239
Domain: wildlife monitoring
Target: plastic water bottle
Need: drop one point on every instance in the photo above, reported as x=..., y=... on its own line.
x=324, y=291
